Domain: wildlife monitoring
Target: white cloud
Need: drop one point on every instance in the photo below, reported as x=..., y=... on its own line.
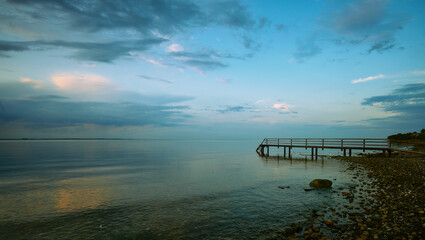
x=223, y=80
x=367, y=79
x=153, y=61
x=261, y=101
x=175, y=48
x=282, y=106
x=418, y=73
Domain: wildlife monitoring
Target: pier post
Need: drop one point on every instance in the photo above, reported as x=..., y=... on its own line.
x=312, y=153
x=364, y=144
x=349, y=152
x=284, y=152
x=268, y=149
x=316, y=154
x=389, y=153
x=289, y=154
x=345, y=152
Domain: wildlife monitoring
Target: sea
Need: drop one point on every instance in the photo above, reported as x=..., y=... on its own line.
x=158, y=189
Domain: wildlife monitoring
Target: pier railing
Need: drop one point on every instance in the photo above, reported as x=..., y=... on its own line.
x=380, y=144
x=354, y=143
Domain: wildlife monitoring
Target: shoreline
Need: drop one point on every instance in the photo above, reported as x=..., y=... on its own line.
x=387, y=203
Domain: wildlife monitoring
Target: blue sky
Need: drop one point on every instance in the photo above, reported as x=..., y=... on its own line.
x=211, y=69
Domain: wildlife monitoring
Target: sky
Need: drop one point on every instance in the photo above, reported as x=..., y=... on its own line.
x=217, y=69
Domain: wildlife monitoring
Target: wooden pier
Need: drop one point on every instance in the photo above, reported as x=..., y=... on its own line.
x=350, y=144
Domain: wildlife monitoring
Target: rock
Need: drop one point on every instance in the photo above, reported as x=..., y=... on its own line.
x=283, y=187
x=321, y=183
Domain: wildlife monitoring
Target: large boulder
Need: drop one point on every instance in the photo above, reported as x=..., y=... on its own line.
x=321, y=183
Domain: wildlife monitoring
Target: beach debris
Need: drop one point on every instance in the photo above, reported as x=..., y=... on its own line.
x=283, y=187
x=321, y=183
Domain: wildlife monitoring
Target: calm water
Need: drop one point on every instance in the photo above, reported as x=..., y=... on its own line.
x=155, y=189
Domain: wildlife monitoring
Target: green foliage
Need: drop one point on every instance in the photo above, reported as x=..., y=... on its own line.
x=408, y=136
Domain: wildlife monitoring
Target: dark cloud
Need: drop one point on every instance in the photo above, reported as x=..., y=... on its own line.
x=410, y=93
x=382, y=46
x=306, y=49
x=407, y=101
x=88, y=51
x=369, y=22
x=13, y=46
x=204, y=60
x=205, y=64
x=250, y=43
x=137, y=23
x=155, y=79
x=229, y=13
x=47, y=108
x=233, y=109
x=263, y=22
x=144, y=16
x=48, y=97
x=280, y=27
x=207, y=54
x=51, y=113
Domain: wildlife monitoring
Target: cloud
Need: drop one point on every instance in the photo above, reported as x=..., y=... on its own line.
x=32, y=82
x=105, y=52
x=418, y=73
x=282, y=107
x=155, y=79
x=263, y=22
x=92, y=87
x=175, y=48
x=203, y=60
x=104, y=31
x=382, y=46
x=223, y=80
x=367, y=79
x=233, y=109
x=153, y=61
x=205, y=64
x=50, y=113
x=407, y=102
x=12, y=46
x=50, y=108
x=369, y=22
x=229, y=13
x=280, y=27
x=47, y=97
x=306, y=49
x=81, y=82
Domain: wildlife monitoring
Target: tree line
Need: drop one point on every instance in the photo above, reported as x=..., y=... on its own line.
x=409, y=136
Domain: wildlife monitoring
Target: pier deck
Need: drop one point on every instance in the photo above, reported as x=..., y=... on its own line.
x=344, y=144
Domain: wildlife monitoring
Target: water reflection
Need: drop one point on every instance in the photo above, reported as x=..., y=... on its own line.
x=278, y=160
x=79, y=194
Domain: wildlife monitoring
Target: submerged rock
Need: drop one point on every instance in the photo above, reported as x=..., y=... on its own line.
x=321, y=183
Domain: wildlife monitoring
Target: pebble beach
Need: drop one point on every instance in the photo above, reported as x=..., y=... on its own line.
x=387, y=202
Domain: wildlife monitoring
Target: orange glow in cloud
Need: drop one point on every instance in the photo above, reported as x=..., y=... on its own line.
x=281, y=106
x=34, y=83
x=81, y=82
